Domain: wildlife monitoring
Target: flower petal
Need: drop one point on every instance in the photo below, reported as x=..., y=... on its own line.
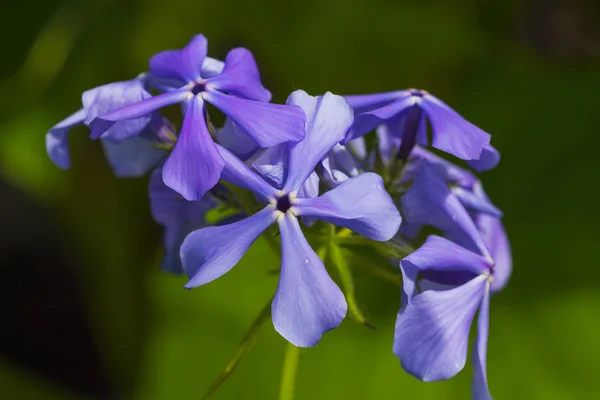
x=240, y=77
x=310, y=189
x=239, y=174
x=178, y=216
x=133, y=157
x=339, y=165
x=307, y=302
x=233, y=139
x=272, y=164
x=432, y=332
x=360, y=204
x=369, y=120
x=195, y=164
x=367, y=102
x=429, y=201
x=479, y=384
x=211, y=67
x=452, y=133
x=474, y=203
x=113, y=96
x=183, y=65
x=267, y=124
x=494, y=236
x=101, y=125
x=441, y=254
x=448, y=171
x=387, y=144
x=488, y=159
x=210, y=252
x=328, y=117
x=57, y=141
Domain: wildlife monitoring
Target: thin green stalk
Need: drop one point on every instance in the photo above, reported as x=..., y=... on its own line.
x=245, y=346
x=288, y=378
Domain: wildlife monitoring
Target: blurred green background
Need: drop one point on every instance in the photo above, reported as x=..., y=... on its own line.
x=87, y=314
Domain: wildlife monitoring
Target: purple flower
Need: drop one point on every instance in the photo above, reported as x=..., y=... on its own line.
x=131, y=157
x=195, y=164
x=307, y=302
x=178, y=216
x=405, y=114
x=445, y=282
x=443, y=286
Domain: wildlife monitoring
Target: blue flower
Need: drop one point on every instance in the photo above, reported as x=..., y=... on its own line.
x=445, y=282
x=137, y=152
x=405, y=114
x=443, y=286
x=195, y=164
x=307, y=302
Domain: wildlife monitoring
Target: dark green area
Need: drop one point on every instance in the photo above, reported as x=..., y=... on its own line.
x=528, y=72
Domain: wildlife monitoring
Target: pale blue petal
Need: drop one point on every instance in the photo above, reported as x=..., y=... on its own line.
x=178, y=216
x=57, y=140
x=239, y=174
x=240, y=77
x=267, y=124
x=488, y=159
x=328, y=117
x=432, y=331
x=474, y=203
x=235, y=140
x=479, y=384
x=195, y=164
x=369, y=120
x=441, y=254
x=210, y=252
x=133, y=157
x=102, y=125
x=183, y=65
x=429, y=201
x=367, y=102
x=307, y=302
x=310, y=189
x=452, y=133
x=360, y=204
x=272, y=164
x=211, y=67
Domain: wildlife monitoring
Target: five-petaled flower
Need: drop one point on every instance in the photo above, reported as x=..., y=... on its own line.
x=307, y=302
x=187, y=76
x=405, y=114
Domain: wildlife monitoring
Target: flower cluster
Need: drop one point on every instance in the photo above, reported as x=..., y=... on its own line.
x=308, y=161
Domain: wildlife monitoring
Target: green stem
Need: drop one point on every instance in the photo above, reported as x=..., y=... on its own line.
x=288, y=378
x=247, y=344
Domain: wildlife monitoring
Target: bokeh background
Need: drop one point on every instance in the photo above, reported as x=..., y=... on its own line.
x=86, y=314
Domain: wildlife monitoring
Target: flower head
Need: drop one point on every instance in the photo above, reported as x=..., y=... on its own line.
x=444, y=285
x=405, y=113
x=307, y=302
x=189, y=77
